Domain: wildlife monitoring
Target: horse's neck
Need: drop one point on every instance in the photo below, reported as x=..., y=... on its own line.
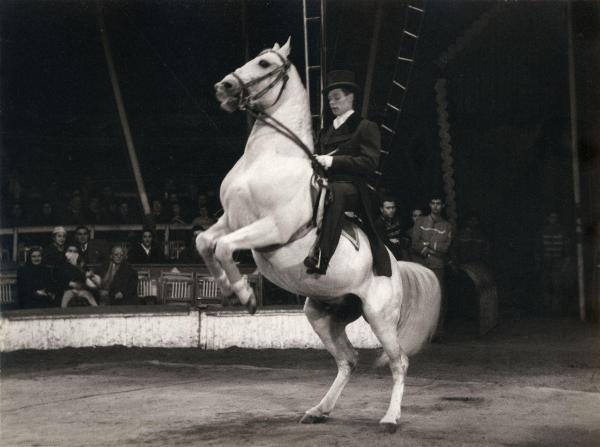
x=292, y=110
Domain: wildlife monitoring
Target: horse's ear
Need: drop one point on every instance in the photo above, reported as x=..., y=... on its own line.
x=276, y=46
x=285, y=50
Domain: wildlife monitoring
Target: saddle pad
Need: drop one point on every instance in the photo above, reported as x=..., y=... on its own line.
x=350, y=233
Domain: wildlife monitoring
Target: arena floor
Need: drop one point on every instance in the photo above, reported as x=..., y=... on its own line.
x=529, y=383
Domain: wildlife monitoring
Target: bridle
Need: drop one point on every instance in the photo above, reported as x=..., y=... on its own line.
x=245, y=98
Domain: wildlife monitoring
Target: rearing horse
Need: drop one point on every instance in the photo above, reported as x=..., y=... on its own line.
x=268, y=206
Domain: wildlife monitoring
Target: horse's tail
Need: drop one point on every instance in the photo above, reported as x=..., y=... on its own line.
x=421, y=299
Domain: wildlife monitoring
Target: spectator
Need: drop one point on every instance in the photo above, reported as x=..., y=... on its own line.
x=74, y=214
x=124, y=217
x=108, y=205
x=146, y=251
x=190, y=254
x=407, y=235
x=118, y=280
x=158, y=214
x=431, y=239
x=177, y=214
x=90, y=250
x=34, y=284
x=203, y=219
x=552, y=261
x=75, y=281
x=54, y=254
x=47, y=216
x=87, y=189
x=93, y=212
x=52, y=194
x=388, y=226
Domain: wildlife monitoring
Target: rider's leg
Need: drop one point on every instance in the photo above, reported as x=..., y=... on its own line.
x=345, y=197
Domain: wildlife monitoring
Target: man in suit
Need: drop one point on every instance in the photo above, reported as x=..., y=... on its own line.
x=90, y=250
x=349, y=151
x=118, y=280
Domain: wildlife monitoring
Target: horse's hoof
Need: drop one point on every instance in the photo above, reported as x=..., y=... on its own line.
x=251, y=305
x=389, y=427
x=312, y=419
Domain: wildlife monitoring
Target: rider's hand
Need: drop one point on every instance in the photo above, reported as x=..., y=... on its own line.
x=325, y=160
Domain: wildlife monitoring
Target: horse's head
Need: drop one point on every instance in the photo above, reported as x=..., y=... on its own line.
x=258, y=84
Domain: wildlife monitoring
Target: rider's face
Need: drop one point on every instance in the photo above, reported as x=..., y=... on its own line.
x=339, y=101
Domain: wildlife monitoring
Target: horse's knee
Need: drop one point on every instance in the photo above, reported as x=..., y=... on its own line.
x=205, y=244
x=223, y=251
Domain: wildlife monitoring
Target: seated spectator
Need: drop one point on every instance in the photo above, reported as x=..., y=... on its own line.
x=190, y=254
x=177, y=214
x=34, y=283
x=93, y=212
x=118, y=280
x=158, y=214
x=124, y=216
x=88, y=189
x=54, y=254
x=108, y=205
x=75, y=281
x=388, y=227
x=47, y=216
x=74, y=213
x=407, y=237
x=203, y=219
x=471, y=244
x=90, y=250
x=147, y=251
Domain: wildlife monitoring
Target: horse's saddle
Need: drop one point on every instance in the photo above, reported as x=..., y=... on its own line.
x=349, y=224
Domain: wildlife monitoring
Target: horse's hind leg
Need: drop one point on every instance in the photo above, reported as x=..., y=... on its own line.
x=384, y=324
x=205, y=244
x=332, y=332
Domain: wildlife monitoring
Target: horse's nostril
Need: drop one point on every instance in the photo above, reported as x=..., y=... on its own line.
x=227, y=85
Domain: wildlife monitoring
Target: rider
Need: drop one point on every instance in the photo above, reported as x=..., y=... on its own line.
x=349, y=151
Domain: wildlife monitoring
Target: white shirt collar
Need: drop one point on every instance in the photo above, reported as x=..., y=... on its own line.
x=339, y=120
x=147, y=250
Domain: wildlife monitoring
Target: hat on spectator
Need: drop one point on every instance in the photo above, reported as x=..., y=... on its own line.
x=59, y=230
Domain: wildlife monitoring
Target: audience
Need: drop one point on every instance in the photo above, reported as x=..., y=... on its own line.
x=118, y=280
x=176, y=214
x=34, y=284
x=388, y=226
x=47, y=217
x=76, y=282
x=431, y=239
x=147, y=251
x=91, y=251
x=190, y=254
x=54, y=254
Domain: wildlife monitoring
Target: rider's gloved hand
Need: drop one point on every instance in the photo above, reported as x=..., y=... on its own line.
x=325, y=160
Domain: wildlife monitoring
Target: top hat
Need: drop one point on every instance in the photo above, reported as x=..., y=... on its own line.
x=340, y=79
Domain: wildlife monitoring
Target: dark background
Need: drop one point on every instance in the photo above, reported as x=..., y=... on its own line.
x=508, y=97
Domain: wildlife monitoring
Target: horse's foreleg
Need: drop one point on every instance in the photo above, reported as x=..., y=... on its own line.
x=205, y=244
x=384, y=324
x=332, y=333
x=261, y=233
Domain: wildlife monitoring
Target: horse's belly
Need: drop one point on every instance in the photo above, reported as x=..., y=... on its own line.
x=348, y=270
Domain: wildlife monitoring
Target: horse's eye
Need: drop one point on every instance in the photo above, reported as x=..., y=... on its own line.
x=263, y=63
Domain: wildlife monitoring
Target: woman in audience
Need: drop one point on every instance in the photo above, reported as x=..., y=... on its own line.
x=146, y=251
x=34, y=283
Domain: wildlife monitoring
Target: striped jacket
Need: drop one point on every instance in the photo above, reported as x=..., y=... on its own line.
x=435, y=236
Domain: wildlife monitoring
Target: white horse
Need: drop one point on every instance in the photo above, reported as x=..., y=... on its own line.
x=268, y=206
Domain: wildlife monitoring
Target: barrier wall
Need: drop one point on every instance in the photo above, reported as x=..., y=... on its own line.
x=167, y=328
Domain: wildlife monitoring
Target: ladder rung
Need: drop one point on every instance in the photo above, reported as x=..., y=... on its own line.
x=384, y=127
x=313, y=18
x=316, y=116
x=415, y=8
x=385, y=152
x=313, y=67
x=392, y=107
x=396, y=83
x=406, y=59
x=414, y=36
x=379, y=173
